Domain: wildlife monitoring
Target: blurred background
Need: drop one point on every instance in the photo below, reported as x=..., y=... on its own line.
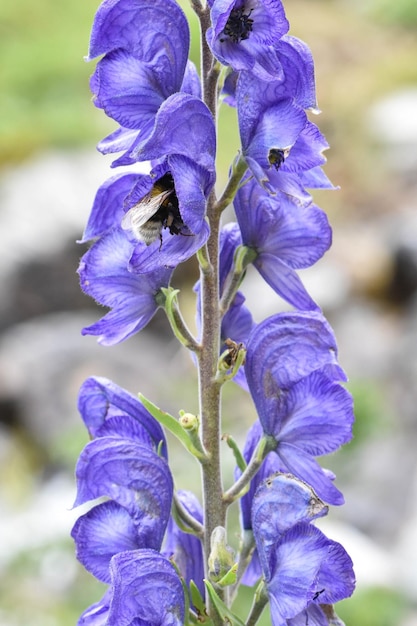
x=366, y=68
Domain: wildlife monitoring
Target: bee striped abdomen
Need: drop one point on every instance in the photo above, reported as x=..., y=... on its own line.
x=157, y=210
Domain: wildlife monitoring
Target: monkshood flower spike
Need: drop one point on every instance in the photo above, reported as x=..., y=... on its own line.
x=164, y=553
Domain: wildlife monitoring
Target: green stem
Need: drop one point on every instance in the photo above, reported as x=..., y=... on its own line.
x=209, y=389
x=259, y=602
x=238, y=170
x=184, y=520
x=265, y=445
x=177, y=322
x=243, y=256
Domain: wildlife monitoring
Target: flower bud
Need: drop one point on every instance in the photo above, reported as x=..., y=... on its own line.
x=221, y=558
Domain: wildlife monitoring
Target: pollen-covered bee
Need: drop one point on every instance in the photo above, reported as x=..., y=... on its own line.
x=157, y=210
x=277, y=156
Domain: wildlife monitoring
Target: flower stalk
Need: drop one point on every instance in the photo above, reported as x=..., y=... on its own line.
x=164, y=554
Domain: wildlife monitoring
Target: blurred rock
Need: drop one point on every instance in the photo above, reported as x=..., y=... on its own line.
x=44, y=204
x=392, y=122
x=43, y=363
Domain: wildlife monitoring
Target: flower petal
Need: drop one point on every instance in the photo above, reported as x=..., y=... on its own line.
x=107, y=210
x=144, y=28
x=132, y=475
x=336, y=577
x=183, y=125
x=298, y=66
x=175, y=249
x=318, y=415
x=101, y=399
x=312, y=615
x=280, y=502
x=284, y=281
x=290, y=346
x=146, y=590
x=128, y=90
x=101, y=533
x=304, y=466
x=295, y=563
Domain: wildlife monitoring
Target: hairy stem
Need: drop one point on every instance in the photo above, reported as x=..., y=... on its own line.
x=209, y=389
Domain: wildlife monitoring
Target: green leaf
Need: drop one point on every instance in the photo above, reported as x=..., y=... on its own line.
x=197, y=600
x=229, y=578
x=224, y=612
x=172, y=424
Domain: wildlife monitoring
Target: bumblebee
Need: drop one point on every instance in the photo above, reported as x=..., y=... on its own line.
x=157, y=210
x=276, y=157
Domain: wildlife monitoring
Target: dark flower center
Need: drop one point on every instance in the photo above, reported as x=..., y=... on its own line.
x=239, y=25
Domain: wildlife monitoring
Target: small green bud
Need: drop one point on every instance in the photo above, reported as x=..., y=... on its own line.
x=189, y=422
x=221, y=559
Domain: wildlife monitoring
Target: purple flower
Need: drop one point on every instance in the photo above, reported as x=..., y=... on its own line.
x=182, y=145
x=132, y=475
x=300, y=564
x=293, y=571
x=151, y=208
x=294, y=499
x=189, y=188
x=145, y=47
x=245, y=32
x=146, y=590
x=298, y=401
x=280, y=502
x=109, y=410
x=280, y=145
x=286, y=347
x=297, y=81
x=284, y=237
x=105, y=276
x=105, y=530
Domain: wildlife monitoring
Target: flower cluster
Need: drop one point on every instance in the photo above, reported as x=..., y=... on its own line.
x=164, y=556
